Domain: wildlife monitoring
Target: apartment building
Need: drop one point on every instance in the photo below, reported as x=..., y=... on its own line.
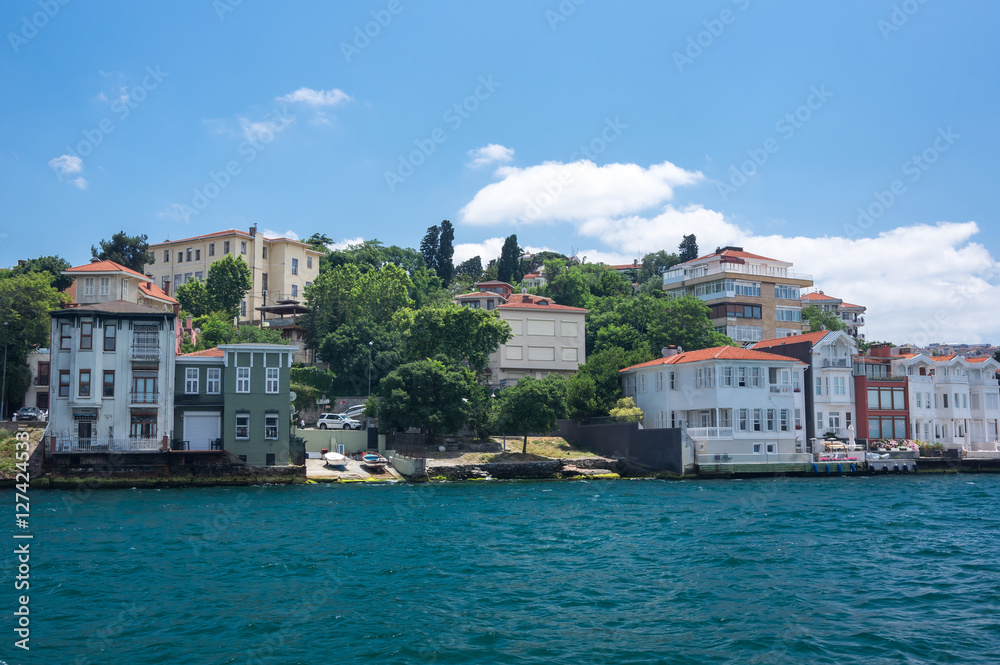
x=731, y=401
x=107, y=281
x=281, y=268
x=488, y=295
x=750, y=297
x=547, y=339
x=851, y=315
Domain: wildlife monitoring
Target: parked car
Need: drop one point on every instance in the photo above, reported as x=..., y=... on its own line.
x=337, y=421
x=30, y=413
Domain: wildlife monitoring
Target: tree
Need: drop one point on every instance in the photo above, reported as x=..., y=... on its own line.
x=195, y=298
x=25, y=303
x=229, y=280
x=319, y=241
x=459, y=333
x=655, y=264
x=602, y=369
x=818, y=319
x=996, y=355
x=471, y=268
x=129, y=251
x=429, y=246
x=509, y=254
x=688, y=248
x=347, y=349
x=626, y=411
x=378, y=294
x=426, y=394
x=257, y=335
x=532, y=406
x=52, y=265
x=443, y=259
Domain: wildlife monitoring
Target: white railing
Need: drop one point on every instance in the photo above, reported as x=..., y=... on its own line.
x=763, y=458
x=703, y=433
x=780, y=389
x=147, y=397
x=98, y=445
x=835, y=362
x=681, y=274
x=144, y=352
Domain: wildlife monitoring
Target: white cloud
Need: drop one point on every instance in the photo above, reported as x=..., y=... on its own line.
x=920, y=282
x=65, y=165
x=263, y=130
x=490, y=154
x=345, y=243
x=174, y=211
x=316, y=98
x=490, y=249
x=578, y=191
x=269, y=234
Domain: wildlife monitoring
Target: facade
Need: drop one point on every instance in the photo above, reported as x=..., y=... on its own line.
x=284, y=316
x=750, y=297
x=882, y=402
x=281, y=268
x=106, y=281
x=112, y=369
x=731, y=401
x=38, y=390
x=488, y=295
x=828, y=382
x=236, y=398
x=547, y=339
x=851, y=315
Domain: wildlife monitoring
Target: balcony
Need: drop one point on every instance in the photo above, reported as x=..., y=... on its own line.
x=144, y=352
x=143, y=398
x=75, y=444
x=781, y=390
x=835, y=362
x=709, y=433
x=762, y=458
x=733, y=270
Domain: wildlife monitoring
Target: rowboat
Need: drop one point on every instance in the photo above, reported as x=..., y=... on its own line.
x=336, y=459
x=373, y=459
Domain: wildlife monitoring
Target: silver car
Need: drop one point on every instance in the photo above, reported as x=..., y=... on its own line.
x=337, y=421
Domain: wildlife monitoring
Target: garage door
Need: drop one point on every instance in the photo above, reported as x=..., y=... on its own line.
x=200, y=429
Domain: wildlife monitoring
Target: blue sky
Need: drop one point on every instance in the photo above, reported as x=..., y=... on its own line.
x=604, y=129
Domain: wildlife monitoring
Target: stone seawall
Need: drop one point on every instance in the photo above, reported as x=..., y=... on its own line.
x=573, y=468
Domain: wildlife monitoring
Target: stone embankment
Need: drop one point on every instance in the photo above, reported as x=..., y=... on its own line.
x=587, y=467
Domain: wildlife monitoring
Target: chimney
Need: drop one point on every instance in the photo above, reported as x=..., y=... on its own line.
x=95, y=260
x=524, y=289
x=253, y=230
x=880, y=350
x=635, y=263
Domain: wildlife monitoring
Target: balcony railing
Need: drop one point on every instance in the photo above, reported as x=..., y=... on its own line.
x=835, y=362
x=737, y=270
x=763, y=458
x=781, y=389
x=97, y=445
x=144, y=352
x=707, y=433
x=144, y=397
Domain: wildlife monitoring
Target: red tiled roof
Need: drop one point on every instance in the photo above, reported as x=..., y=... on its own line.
x=482, y=294
x=732, y=252
x=818, y=296
x=624, y=266
x=526, y=301
x=494, y=281
x=715, y=353
x=794, y=339
x=71, y=291
x=980, y=359
x=153, y=291
x=847, y=305
x=531, y=275
x=942, y=359
x=908, y=355
x=105, y=266
x=207, y=353
x=207, y=235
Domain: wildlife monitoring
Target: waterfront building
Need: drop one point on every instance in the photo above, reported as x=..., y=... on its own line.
x=750, y=297
x=851, y=315
x=882, y=396
x=236, y=397
x=280, y=268
x=829, y=387
x=730, y=400
x=38, y=389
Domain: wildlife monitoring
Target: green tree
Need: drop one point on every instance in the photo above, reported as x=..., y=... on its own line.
x=626, y=411
x=818, y=319
x=319, y=241
x=52, y=265
x=996, y=355
x=655, y=264
x=426, y=394
x=509, y=255
x=129, y=251
x=688, y=248
x=346, y=351
x=471, y=268
x=329, y=300
x=378, y=294
x=567, y=286
x=532, y=407
x=215, y=328
x=459, y=333
x=443, y=259
x=429, y=246
x=195, y=298
x=256, y=335
x=229, y=279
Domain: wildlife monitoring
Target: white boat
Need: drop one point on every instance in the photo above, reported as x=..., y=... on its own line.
x=336, y=459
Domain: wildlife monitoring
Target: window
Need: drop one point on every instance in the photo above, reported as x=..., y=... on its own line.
x=214, y=381
x=83, y=387
x=757, y=448
x=263, y=252
x=725, y=418
x=191, y=381
x=834, y=419
x=271, y=426
x=673, y=380
x=798, y=418
x=166, y=256
x=704, y=377
x=109, y=383
x=242, y=426
x=88, y=286
x=786, y=292
x=757, y=419
x=743, y=418
x=787, y=314
x=641, y=379
x=945, y=398
x=772, y=448
x=819, y=386
x=770, y=420
x=309, y=262
x=189, y=254
x=659, y=382
x=144, y=387
x=197, y=255
x=295, y=294
x=188, y=276
x=243, y=308
x=200, y=276
x=242, y=379
x=143, y=426
x=64, y=383
x=110, y=335
x=727, y=376
x=86, y=335
x=783, y=420
x=124, y=289
x=211, y=249
x=295, y=266
x=839, y=385
x=741, y=377
x=819, y=418
x=271, y=380
x=66, y=336
x=180, y=257
x=755, y=377
x=177, y=281
x=43, y=374
x=225, y=247
x=243, y=247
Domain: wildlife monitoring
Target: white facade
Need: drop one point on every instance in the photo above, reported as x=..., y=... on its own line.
x=547, y=339
x=832, y=385
x=731, y=401
x=112, y=378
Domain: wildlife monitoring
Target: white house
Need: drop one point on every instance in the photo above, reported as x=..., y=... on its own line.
x=731, y=401
x=548, y=338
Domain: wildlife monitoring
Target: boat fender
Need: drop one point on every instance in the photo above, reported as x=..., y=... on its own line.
x=854, y=469
x=815, y=468
x=840, y=468
x=896, y=468
x=885, y=468
x=906, y=468
x=827, y=469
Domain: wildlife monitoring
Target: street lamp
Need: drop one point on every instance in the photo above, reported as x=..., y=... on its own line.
x=3, y=390
x=369, y=370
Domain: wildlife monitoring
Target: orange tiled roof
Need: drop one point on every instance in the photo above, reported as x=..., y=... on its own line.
x=207, y=353
x=847, y=305
x=526, y=301
x=794, y=339
x=531, y=275
x=71, y=291
x=942, y=359
x=153, y=291
x=908, y=355
x=105, y=266
x=818, y=296
x=715, y=353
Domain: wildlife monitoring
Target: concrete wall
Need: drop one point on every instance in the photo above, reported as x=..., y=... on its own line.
x=354, y=441
x=657, y=448
x=408, y=466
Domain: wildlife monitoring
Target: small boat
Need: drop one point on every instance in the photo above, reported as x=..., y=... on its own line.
x=373, y=459
x=336, y=459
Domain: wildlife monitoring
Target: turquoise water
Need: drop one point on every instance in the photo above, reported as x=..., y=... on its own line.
x=843, y=570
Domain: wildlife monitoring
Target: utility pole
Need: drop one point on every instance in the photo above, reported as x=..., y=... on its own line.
x=3, y=390
x=369, y=369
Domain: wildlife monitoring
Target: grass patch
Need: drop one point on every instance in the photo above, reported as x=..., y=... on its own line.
x=544, y=447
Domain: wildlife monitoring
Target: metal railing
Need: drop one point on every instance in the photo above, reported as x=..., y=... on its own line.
x=99, y=445
x=705, y=433
x=144, y=352
x=835, y=362
x=780, y=389
x=145, y=397
x=762, y=458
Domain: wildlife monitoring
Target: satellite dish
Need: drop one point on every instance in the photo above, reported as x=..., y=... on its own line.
x=292, y=396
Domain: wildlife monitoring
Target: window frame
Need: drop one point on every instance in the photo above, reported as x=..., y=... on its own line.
x=86, y=335
x=271, y=425
x=192, y=377
x=65, y=336
x=105, y=383
x=272, y=379
x=243, y=380
x=245, y=426
x=295, y=266
x=80, y=383
x=64, y=386
x=112, y=328
x=215, y=381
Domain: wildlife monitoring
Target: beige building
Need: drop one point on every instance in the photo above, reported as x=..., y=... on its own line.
x=548, y=339
x=750, y=297
x=281, y=268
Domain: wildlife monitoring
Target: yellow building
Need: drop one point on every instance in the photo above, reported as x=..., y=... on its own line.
x=281, y=267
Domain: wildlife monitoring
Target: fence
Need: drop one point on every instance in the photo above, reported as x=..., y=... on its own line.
x=763, y=458
x=96, y=445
